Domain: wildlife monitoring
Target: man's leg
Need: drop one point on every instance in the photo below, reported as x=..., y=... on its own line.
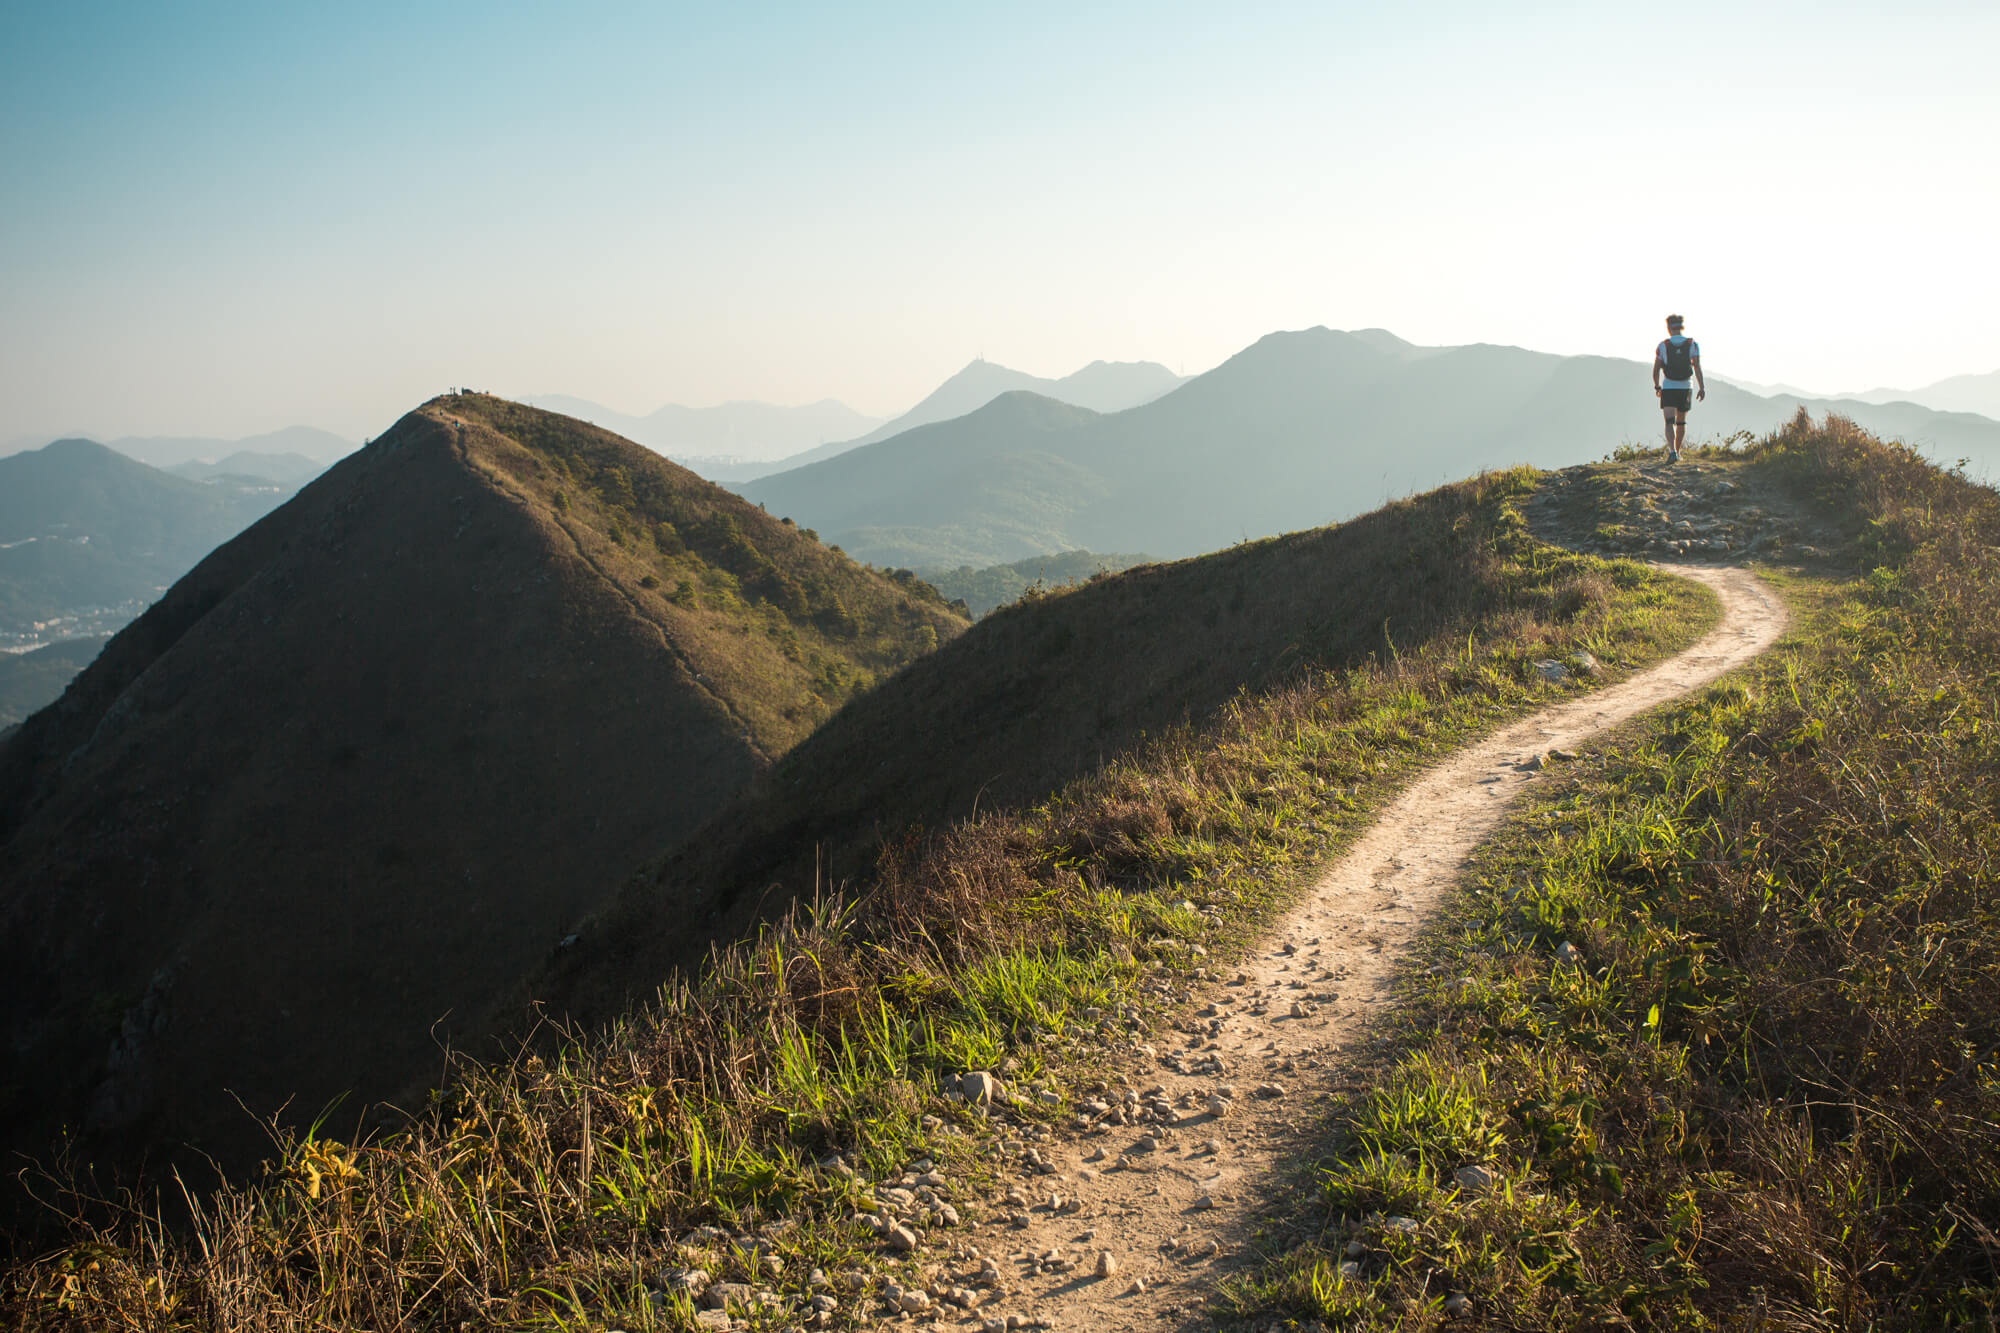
x=1680, y=429
x=1668, y=413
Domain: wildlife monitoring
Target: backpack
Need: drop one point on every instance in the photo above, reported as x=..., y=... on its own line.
x=1678, y=358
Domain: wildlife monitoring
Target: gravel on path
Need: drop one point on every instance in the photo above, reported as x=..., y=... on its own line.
x=1131, y=1222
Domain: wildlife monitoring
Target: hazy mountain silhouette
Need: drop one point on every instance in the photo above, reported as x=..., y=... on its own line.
x=84, y=527
x=377, y=754
x=1101, y=386
x=1297, y=430
x=1959, y=393
x=745, y=431
x=164, y=451
x=290, y=470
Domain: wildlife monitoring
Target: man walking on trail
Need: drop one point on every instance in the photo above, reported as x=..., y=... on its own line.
x=1678, y=359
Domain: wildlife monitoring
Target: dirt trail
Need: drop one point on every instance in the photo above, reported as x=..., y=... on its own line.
x=1173, y=1203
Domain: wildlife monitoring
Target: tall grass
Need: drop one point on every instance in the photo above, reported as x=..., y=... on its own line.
x=1768, y=1096
x=544, y=1191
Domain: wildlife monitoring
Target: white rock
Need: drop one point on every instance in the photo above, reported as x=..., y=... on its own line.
x=981, y=1087
x=1475, y=1179
x=901, y=1238
x=1568, y=954
x=1107, y=1263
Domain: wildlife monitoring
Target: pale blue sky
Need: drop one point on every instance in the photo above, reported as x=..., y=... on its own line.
x=223, y=219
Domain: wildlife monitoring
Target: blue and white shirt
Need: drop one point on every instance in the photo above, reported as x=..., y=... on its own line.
x=1660, y=355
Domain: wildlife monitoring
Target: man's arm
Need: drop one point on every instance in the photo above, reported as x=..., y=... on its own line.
x=1700, y=384
x=1658, y=366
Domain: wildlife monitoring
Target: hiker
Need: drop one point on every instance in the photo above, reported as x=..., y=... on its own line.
x=1678, y=359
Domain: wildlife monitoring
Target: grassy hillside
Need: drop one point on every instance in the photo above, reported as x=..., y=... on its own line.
x=1233, y=760
x=1767, y=1092
x=782, y=627
x=368, y=762
x=1295, y=431
x=982, y=590
x=1722, y=1044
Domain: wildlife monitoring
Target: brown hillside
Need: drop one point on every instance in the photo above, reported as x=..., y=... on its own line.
x=377, y=755
x=1036, y=694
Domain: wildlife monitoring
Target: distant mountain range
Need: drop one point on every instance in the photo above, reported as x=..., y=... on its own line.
x=373, y=758
x=286, y=469
x=1295, y=431
x=1960, y=393
x=88, y=536
x=1101, y=386
x=165, y=451
x=739, y=442
x=742, y=432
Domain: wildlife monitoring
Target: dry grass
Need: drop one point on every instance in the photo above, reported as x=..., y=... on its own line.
x=1769, y=1096
x=543, y=1192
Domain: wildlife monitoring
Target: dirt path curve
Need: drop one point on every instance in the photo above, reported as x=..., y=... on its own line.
x=1171, y=1199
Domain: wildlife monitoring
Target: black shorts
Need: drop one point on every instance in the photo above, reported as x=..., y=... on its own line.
x=1680, y=398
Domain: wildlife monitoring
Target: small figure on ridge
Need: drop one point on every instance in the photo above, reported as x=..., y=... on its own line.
x=1679, y=360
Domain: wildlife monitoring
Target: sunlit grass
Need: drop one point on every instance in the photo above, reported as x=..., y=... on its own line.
x=541, y=1192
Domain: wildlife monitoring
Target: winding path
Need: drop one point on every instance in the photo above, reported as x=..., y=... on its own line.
x=1174, y=1206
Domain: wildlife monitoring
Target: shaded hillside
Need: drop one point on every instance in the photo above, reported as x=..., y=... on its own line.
x=82, y=527
x=1041, y=692
x=31, y=681
x=1298, y=430
x=378, y=754
x=982, y=590
x=738, y=1125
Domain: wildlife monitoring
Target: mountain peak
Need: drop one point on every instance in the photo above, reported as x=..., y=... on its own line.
x=446, y=697
x=77, y=448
